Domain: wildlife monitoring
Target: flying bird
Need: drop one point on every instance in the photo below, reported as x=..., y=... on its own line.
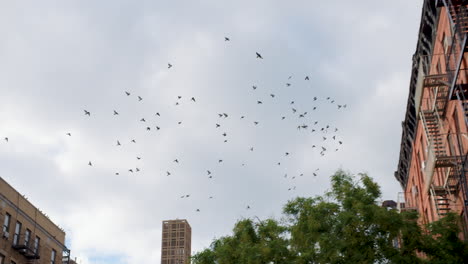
x=90, y=164
x=137, y=169
x=69, y=134
x=272, y=95
x=169, y=65
x=254, y=87
x=193, y=99
x=6, y=139
x=288, y=84
x=218, y=125
x=115, y=112
x=307, y=78
x=209, y=172
x=176, y=161
x=226, y=39
x=118, y=143
x=259, y=56
x=158, y=114
x=87, y=113
x=158, y=128
x=133, y=141
x=198, y=210
x=148, y=128
x=168, y=173
x=220, y=160
x=259, y=102
x=139, y=98
x=256, y=122
x=142, y=120
x=138, y=158
x=128, y=94
x=130, y=170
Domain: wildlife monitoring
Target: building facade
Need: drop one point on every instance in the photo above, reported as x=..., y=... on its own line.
x=433, y=164
x=28, y=236
x=176, y=242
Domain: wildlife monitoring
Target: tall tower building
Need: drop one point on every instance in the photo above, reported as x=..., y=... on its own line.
x=176, y=242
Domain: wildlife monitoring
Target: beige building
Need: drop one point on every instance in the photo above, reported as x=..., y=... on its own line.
x=28, y=236
x=176, y=242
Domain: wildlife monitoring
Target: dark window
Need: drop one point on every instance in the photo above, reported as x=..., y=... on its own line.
x=17, y=233
x=27, y=236
x=36, y=245
x=6, y=222
x=52, y=256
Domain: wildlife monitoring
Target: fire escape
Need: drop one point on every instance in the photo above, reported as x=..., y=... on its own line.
x=446, y=156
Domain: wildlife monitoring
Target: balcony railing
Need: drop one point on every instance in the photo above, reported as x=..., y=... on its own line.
x=26, y=246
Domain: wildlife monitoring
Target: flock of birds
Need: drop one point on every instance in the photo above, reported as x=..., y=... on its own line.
x=325, y=132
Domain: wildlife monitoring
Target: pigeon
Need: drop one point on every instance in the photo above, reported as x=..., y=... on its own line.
x=158, y=114
x=209, y=172
x=138, y=158
x=211, y=197
x=116, y=113
x=289, y=78
x=251, y=149
x=69, y=134
x=218, y=125
x=176, y=161
x=193, y=99
x=259, y=102
x=286, y=154
x=242, y=117
x=225, y=115
x=220, y=160
x=282, y=118
x=294, y=110
x=256, y=122
x=128, y=94
x=158, y=128
x=179, y=97
x=118, y=143
x=87, y=113
x=315, y=174
x=130, y=170
x=168, y=173
x=180, y=122
x=227, y=39
x=137, y=169
x=142, y=120
x=272, y=95
x=254, y=87
x=315, y=98
x=314, y=108
x=307, y=78
x=259, y=56
x=340, y=142
x=139, y=98
x=292, y=102
x=288, y=84
x=148, y=128
x=169, y=65
x=90, y=164
x=224, y=134
x=133, y=141
x=198, y=210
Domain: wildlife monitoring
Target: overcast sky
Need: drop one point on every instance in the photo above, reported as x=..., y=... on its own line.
x=59, y=58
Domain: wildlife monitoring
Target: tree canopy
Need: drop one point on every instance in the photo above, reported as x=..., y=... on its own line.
x=345, y=225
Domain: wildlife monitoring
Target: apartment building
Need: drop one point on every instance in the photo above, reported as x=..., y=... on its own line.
x=433, y=164
x=176, y=242
x=28, y=236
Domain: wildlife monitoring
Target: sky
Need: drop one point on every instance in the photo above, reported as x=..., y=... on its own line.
x=59, y=58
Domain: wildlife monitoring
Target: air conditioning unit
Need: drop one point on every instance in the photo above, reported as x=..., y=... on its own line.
x=6, y=235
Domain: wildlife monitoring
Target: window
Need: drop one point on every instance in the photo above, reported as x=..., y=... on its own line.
x=52, y=256
x=17, y=233
x=6, y=222
x=36, y=245
x=27, y=236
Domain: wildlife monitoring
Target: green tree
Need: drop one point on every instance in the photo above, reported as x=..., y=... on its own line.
x=346, y=225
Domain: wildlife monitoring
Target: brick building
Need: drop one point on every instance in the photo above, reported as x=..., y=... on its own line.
x=176, y=242
x=433, y=165
x=28, y=236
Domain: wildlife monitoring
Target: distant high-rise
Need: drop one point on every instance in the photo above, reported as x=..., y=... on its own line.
x=176, y=242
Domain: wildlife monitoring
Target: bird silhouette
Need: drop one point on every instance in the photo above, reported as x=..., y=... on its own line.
x=282, y=118
x=87, y=113
x=133, y=141
x=288, y=84
x=272, y=95
x=115, y=112
x=259, y=56
x=219, y=161
x=251, y=149
x=209, y=172
x=224, y=134
x=69, y=134
x=130, y=170
x=138, y=158
x=118, y=143
x=248, y=207
x=254, y=87
x=158, y=114
x=148, y=128
x=198, y=210
x=193, y=99
x=142, y=120
x=128, y=94
x=90, y=164
x=140, y=98
x=256, y=122
x=315, y=98
x=307, y=78
x=227, y=39
x=259, y=102
x=176, y=161
x=137, y=169
x=169, y=65
x=168, y=173
x=218, y=125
